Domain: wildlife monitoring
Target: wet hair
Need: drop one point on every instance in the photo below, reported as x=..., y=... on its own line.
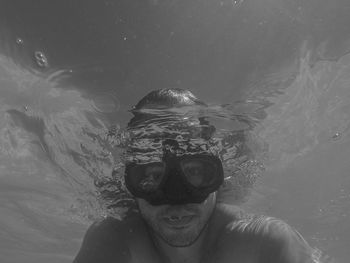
x=163, y=99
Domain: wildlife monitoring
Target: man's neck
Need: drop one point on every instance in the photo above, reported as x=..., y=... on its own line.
x=188, y=254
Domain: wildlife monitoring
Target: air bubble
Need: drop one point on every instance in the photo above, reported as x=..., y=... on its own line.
x=41, y=59
x=237, y=2
x=336, y=136
x=19, y=41
x=231, y=3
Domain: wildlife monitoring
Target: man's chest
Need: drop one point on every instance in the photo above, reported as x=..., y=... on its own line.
x=233, y=255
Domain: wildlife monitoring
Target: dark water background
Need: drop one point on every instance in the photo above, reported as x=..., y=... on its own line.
x=69, y=70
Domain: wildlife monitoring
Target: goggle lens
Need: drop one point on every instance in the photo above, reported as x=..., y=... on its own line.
x=199, y=172
x=148, y=177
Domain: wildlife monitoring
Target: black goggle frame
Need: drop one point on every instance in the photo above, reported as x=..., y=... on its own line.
x=173, y=168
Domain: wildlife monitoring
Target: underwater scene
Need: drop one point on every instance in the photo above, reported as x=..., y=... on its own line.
x=275, y=74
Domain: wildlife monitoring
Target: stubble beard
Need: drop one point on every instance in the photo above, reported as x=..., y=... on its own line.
x=178, y=237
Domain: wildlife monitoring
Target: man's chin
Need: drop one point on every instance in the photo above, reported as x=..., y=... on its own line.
x=180, y=235
x=179, y=241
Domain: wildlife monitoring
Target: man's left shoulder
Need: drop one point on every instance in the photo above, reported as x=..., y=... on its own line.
x=260, y=226
x=264, y=239
x=240, y=223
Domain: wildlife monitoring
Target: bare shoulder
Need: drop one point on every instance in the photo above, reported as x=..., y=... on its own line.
x=113, y=240
x=257, y=238
x=104, y=241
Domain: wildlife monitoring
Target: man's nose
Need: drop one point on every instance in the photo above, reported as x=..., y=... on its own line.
x=175, y=189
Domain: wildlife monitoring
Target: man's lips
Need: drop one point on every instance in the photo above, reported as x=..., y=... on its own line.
x=178, y=221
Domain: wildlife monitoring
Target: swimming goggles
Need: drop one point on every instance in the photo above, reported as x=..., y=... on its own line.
x=175, y=180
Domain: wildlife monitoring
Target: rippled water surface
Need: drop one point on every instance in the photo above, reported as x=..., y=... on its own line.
x=70, y=71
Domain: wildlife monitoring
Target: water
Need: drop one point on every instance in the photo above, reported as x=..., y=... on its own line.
x=70, y=71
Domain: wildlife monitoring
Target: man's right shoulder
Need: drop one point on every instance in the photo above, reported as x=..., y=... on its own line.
x=106, y=241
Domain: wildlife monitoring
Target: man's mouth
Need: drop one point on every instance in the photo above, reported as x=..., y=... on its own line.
x=178, y=221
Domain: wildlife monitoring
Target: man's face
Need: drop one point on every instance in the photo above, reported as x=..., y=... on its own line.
x=178, y=225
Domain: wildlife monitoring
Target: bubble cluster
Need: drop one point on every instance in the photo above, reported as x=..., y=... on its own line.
x=41, y=59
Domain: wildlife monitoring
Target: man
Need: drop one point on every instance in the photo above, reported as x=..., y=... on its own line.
x=174, y=172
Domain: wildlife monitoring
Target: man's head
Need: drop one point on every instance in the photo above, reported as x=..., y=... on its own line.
x=171, y=171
